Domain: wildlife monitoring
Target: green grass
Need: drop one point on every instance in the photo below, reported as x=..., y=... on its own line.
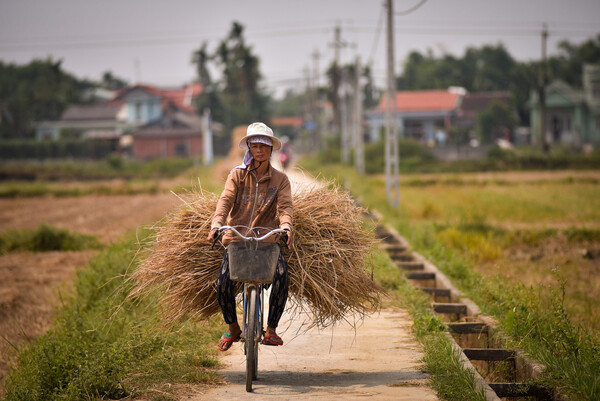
x=449, y=378
x=105, y=345
x=132, y=183
x=475, y=235
x=109, y=168
x=46, y=238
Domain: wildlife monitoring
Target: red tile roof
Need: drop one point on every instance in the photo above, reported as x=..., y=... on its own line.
x=427, y=100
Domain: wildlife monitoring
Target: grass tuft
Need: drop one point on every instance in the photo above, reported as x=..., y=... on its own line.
x=46, y=238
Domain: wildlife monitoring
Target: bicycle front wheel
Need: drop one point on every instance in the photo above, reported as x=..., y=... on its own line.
x=251, y=339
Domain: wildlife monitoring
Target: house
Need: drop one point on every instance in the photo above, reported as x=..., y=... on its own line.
x=146, y=103
x=421, y=115
x=174, y=134
x=475, y=102
x=572, y=116
x=78, y=120
x=136, y=108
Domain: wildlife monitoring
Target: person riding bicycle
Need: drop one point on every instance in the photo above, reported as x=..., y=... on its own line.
x=257, y=196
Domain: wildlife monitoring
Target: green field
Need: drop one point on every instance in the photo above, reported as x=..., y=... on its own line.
x=524, y=246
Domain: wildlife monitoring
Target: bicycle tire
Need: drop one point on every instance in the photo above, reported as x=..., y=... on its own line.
x=258, y=330
x=251, y=343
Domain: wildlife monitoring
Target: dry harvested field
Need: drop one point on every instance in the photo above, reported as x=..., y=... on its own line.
x=30, y=282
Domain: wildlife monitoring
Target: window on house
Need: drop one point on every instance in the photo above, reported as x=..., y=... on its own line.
x=138, y=112
x=181, y=149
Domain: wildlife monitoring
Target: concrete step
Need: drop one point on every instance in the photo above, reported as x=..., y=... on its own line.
x=467, y=327
x=412, y=266
x=489, y=354
x=460, y=309
x=437, y=292
x=420, y=276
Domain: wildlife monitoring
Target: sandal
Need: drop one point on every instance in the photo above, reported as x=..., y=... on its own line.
x=272, y=339
x=227, y=340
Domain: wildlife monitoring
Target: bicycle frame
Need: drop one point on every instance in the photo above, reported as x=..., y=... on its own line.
x=260, y=328
x=253, y=331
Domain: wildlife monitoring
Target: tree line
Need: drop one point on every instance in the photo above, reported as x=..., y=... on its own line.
x=492, y=68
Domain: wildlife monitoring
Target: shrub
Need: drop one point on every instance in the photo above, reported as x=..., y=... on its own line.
x=46, y=238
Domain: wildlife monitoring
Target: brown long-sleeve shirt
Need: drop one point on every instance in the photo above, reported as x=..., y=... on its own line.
x=266, y=203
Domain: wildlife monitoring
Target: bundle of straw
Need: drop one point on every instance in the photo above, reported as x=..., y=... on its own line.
x=329, y=260
x=327, y=264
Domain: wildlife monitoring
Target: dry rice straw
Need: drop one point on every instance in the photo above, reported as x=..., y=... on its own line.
x=328, y=264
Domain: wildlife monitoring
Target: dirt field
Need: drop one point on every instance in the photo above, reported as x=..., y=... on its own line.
x=30, y=282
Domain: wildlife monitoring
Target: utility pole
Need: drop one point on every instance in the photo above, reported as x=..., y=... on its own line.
x=315, y=56
x=392, y=179
x=335, y=100
x=207, y=137
x=315, y=103
x=307, y=141
x=338, y=43
x=345, y=116
x=359, y=146
x=543, y=137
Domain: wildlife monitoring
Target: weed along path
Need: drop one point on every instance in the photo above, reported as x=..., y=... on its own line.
x=376, y=357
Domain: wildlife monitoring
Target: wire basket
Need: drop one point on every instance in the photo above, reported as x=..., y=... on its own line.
x=253, y=261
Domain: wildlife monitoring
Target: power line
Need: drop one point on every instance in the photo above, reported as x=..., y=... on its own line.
x=153, y=41
x=376, y=39
x=418, y=30
x=410, y=10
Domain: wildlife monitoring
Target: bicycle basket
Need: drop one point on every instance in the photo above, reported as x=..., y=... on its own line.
x=250, y=261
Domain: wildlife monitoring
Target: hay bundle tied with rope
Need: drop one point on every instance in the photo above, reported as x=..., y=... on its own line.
x=328, y=264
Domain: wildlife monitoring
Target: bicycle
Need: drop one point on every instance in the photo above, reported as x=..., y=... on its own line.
x=252, y=262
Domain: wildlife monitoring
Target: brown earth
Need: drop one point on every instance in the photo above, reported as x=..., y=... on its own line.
x=30, y=283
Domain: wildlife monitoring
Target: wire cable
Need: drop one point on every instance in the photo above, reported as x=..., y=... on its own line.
x=376, y=39
x=410, y=10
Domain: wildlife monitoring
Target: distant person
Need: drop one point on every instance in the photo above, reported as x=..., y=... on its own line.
x=256, y=195
x=285, y=154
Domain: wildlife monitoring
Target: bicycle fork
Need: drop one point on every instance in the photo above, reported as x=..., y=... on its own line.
x=259, y=311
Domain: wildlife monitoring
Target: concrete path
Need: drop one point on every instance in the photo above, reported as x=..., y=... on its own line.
x=377, y=357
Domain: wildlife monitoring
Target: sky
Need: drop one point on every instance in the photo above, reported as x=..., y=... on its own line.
x=151, y=41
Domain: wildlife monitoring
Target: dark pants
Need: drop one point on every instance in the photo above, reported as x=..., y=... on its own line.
x=277, y=300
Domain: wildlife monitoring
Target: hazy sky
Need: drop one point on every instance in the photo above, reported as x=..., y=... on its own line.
x=152, y=41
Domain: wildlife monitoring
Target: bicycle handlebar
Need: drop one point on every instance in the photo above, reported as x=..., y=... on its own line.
x=264, y=237
x=245, y=238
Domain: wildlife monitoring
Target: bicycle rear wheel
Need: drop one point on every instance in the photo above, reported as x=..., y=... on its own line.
x=251, y=339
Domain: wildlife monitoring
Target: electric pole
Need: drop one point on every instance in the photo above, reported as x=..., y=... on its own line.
x=392, y=180
x=315, y=102
x=359, y=146
x=345, y=116
x=335, y=99
x=543, y=137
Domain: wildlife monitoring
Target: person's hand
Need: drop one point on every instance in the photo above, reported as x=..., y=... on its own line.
x=290, y=238
x=212, y=234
